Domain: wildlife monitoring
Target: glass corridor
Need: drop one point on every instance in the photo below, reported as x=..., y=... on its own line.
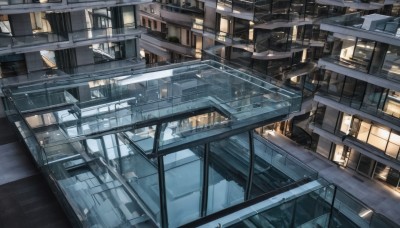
x=160, y=147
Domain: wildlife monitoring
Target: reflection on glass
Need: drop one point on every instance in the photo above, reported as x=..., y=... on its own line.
x=229, y=160
x=183, y=178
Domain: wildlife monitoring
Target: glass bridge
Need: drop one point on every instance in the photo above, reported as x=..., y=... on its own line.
x=168, y=146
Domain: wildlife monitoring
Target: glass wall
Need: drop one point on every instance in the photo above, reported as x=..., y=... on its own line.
x=391, y=63
x=226, y=187
x=368, y=56
x=359, y=94
x=183, y=180
x=382, y=138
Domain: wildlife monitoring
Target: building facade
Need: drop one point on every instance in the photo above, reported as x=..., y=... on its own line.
x=44, y=39
x=357, y=111
x=284, y=40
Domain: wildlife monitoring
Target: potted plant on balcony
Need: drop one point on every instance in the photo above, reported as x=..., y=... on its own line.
x=173, y=39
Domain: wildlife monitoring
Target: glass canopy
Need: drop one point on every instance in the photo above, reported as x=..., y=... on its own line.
x=158, y=147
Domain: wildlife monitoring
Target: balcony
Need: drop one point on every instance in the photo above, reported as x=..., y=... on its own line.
x=371, y=27
x=300, y=69
x=243, y=9
x=355, y=4
x=51, y=41
x=273, y=21
x=349, y=68
x=183, y=15
x=26, y=6
x=156, y=38
x=370, y=151
x=357, y=108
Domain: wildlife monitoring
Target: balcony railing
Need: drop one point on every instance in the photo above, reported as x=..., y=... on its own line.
x=361, y=66
x=171, y=43
x=9, y=43
x=29, y=40
x=359, y=105
x=184, y=9
x=19, y=2
x=87, y=34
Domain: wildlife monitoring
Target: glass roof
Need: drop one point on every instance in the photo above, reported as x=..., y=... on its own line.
x=69, y=109
x=142, y=148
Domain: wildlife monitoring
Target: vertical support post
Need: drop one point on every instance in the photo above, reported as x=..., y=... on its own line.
x=251, y=165
x=161, y=177
x=204, y=197
x=332, y=207
x=119, y=153
x=104, y=148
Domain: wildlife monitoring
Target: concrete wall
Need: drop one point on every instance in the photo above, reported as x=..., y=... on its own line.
x=78, y=20
x=84, y=56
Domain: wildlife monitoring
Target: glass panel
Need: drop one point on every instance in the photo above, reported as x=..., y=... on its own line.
x=128, y=14
x=391, y=66
x=365, y=165
x=378, y=137
x=339, y=155
x=308, y=208
x=183, y=178
x=143, y=138
x=363, y=53
x=346, y=123
x=228, y=173
x=364, y=131
x=393, y=145
x=392, y=105
x=353, y=159
x=381, y=171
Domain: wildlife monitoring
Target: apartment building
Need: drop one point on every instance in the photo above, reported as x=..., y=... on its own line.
x=45, y=39
x=357, y=112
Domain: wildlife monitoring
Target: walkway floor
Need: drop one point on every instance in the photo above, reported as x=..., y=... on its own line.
x=377, y=196
x=25, y=197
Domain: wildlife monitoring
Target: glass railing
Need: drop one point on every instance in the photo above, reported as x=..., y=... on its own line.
x=7, y=42
x=358, y=104
x=292, y=205
x=29, y=40
x=87, y=1
x=94, y=33
x=38, y=2
x=223, y=36
x=96, y=195
x=282, y=160
x=361, y=66
x=356, y=21
x=348, y=206
x=18, y=2
x=183, y=9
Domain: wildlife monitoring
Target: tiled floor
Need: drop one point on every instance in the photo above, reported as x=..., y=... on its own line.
x=25, y=198
x=377, y=196
x=15, y=163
